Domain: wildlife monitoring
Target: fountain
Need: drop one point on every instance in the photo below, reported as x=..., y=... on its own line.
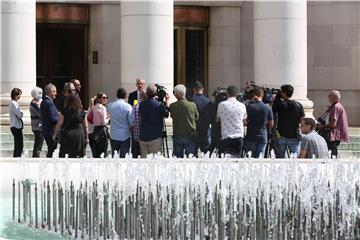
x=207, y=198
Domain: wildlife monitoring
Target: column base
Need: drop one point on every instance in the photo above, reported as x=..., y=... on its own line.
x=24, y=103
x=308, y=106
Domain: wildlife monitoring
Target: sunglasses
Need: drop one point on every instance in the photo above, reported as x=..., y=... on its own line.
x=105, y=97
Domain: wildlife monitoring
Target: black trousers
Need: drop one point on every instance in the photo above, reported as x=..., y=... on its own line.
x=232, y=146
x=333, y=147
x=38, y=143
x=135, y=148
x=101, y=145
x=51, y=146
x=18, y=141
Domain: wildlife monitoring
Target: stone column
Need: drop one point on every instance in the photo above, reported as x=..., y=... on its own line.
x=147, y=34
x=280, y=47
x=18, y=52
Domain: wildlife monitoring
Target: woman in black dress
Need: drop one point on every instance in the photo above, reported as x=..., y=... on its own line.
x=73, y=128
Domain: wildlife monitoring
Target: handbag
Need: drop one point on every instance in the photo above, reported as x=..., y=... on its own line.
x=100, y=135
x=90, y=116
x=323, y=119
x=325, y=133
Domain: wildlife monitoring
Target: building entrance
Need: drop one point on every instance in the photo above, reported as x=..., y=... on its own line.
x=190, y=45
x=59, y=54
x=61, y=43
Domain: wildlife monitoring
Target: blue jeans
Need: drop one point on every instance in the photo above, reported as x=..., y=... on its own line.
x=291, y=143
x=122, y=147
x=255, y=148
x=183, y=143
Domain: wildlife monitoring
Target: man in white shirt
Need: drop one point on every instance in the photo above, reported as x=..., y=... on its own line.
x=231, y=114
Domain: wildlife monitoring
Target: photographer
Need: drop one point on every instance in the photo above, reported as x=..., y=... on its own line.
x=289, y=113
x=152, y=113
x=220, y=95
x=335, y=120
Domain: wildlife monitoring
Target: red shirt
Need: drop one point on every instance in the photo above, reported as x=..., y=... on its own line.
x=340, y=132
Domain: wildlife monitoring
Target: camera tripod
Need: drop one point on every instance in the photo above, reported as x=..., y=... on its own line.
x=270, y=146
x=165, y=147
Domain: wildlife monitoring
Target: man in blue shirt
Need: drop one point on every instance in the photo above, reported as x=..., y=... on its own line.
x=260, y=118
x=121, y=120
x=152, y=113
x=203, y=124
x=49, y=117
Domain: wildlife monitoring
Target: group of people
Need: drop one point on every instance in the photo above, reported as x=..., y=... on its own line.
x=137, y=125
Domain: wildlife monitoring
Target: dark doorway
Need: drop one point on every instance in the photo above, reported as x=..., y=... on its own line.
x=60, y=55
x=190, y=56
x=190, y=45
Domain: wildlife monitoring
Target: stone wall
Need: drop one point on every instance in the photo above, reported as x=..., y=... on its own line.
x=333, y=55
x=104, y=37
x=247, y=42
x=333, y=50
x=224, y=47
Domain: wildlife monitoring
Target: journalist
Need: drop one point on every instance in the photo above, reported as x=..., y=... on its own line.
x=259, y=120
x=289, y=114
x=231, y=114
x=152, y=113
x=122, y=119
x=203, y=124
x=335, y=119
x=184, y=115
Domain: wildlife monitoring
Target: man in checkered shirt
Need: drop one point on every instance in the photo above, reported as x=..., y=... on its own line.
x=312, y=144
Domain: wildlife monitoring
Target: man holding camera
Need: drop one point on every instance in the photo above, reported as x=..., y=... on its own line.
x=152, y=113
x=184, y=115
x=289, y=114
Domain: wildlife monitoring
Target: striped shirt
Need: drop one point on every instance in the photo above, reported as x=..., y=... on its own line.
x=136, y=130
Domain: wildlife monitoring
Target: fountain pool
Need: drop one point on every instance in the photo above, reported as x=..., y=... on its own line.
x=181, y=198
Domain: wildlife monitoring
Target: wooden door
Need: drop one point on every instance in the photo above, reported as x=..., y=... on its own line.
x=60, y=55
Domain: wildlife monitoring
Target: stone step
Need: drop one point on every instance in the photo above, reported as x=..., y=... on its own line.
x=349, y=146
x=348, y=154
x=7, y=145
x=9, y=137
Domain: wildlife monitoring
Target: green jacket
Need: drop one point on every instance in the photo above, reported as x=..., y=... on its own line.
x=184, y=115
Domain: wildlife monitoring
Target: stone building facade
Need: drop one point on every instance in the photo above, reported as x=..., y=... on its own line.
x=314, y=46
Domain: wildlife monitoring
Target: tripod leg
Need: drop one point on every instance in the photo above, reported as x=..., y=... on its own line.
x=166, y=146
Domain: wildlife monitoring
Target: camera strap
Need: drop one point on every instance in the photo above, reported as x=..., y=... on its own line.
x=325, y=116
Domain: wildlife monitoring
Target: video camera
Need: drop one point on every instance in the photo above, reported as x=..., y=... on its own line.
x=268, y=93
x=220, y=94
x=160, y=92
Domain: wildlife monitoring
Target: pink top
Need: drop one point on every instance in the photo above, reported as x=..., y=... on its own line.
x=99, y=115
x=340, y=132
